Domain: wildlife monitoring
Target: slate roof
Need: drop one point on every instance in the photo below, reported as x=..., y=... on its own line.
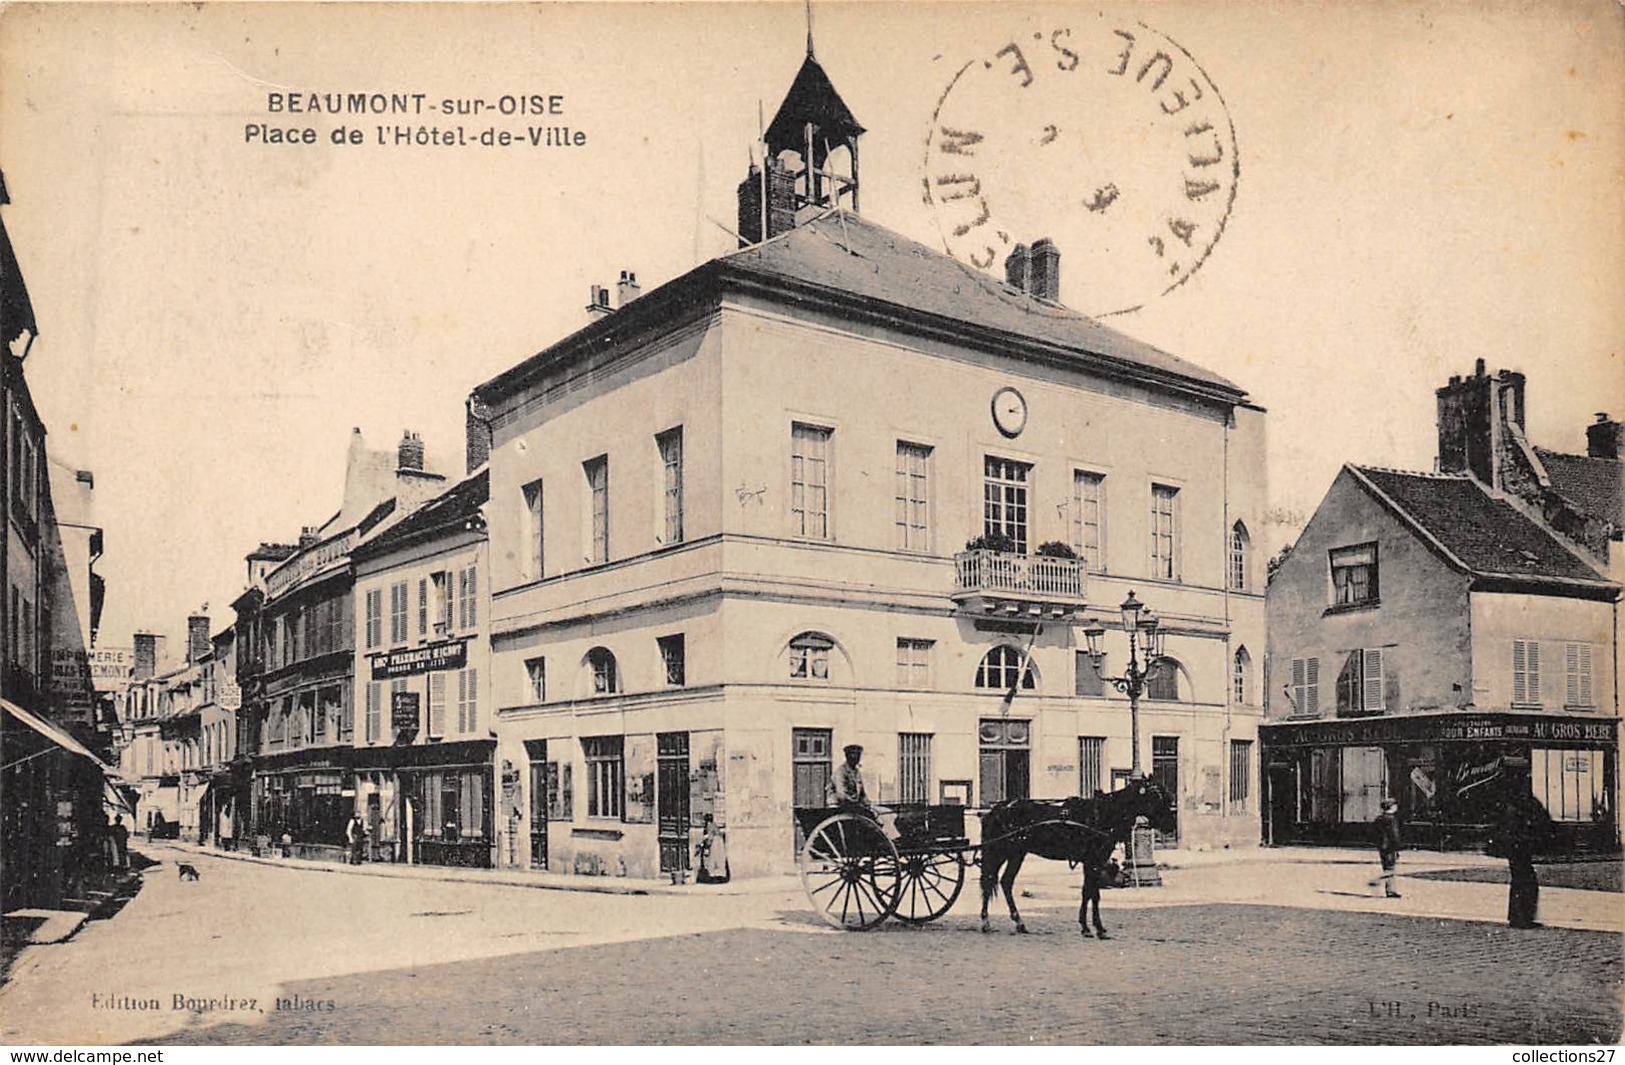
x=450, y=510
x=847, y=253
x=1592, y=484
x=865, y=272
x=1488, y=536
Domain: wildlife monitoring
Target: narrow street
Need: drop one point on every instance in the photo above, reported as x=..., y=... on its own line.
x=1207, y=959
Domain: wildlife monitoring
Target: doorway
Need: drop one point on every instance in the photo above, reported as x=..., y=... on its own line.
x=672, y=800
x=536, y=754
x=1165, y=773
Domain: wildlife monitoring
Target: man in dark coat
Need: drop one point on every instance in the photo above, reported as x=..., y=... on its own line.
x=1522, y=831
x=1387, y=824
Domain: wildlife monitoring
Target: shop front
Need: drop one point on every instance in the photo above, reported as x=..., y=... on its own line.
x=428, y=804
x=1450, y=772
x=305, y=797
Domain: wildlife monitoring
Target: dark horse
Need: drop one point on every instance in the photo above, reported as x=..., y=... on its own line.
x=1079, y=830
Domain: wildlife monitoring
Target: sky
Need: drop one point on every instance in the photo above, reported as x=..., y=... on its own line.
x=1419, y=186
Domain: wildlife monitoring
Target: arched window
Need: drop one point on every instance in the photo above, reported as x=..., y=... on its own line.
x=1240, y=549
x=1241, y=677
x=1001, y=666
x=606, y=678
x=1162, y=680
x=809, y=656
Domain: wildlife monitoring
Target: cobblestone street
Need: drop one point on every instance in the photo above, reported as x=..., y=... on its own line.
x=427, y=961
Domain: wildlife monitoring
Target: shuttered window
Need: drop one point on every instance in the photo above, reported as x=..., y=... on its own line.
x=1577, y=674
x=1526, y=672
x=914, y=766
x=1091, y=755
x=1306, y=685
x=437, y=704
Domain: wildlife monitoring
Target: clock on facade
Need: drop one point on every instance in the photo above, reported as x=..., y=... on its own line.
x=1009, y=411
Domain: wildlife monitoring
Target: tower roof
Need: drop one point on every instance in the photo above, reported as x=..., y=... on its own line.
x=812, y=98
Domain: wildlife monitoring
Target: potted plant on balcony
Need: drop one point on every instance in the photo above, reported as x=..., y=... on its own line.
x=991, y=542
x=1055, y=549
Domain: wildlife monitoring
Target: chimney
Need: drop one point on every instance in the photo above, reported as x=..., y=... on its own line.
x=197, y=638
x=409, y=455
x=1018, y=268
x=599, y=305
x=1045, y=271
x=1603, y=437
x=146, y=654
x=309, y=536
x=627, y=288
x=1466, y=431
x=477, y=434
x=781, y=203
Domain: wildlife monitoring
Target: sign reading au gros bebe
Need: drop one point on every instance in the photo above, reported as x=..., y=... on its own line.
x=390, y=665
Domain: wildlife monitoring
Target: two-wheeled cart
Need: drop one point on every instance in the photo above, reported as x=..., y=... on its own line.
x=857, y=872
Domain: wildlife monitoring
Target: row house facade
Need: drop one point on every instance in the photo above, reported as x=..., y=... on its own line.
x=54, y=734
x=1442, y=637
x=837, y=488
x=423, y=763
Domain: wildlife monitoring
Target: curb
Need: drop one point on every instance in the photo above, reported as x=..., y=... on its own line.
x=554, y=881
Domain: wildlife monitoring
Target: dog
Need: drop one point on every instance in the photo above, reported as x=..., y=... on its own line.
x=186, y=870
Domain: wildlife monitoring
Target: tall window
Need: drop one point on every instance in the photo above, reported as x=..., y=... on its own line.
x=1089, y=680
x=914, y=766
x=423, y=606
x=1577, y=675
x=1241, y=770
x=912, y=497
x=809, y=656
x=397, y=612
x=1240, y=549
x=1006, y=747
x=810, y=766
x=1241, y=677
x=1354, y=575
x=1004, y=500
x=1091, y=758
x=809, y=481
x=1162, y=680
x=672, y=658
x=1359, y=683
x=468, y=700
x=597, y=471
x=604, y=775
x=467, y=598
x=441, y=598
x=437, y=703
x=536, y=676
x=670, y=443
x=1164, y=532
x=1305, y=686
x=1525, y=673
x=1000, y=668
x=913, y=664
x=1089, y=520
x=530, y=559
x=374, y=717
x=601, y=666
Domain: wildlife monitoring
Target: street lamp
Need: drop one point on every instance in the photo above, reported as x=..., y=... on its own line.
x=1144, y=639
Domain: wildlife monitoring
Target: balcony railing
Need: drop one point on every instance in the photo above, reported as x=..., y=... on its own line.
x=1000, y=575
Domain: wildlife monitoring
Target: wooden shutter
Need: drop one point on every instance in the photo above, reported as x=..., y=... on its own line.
x=1311, y=690
x=1520, y=672
x=1533, y=652
x=437, y=704
x=1585, y=675
x=1371, y=698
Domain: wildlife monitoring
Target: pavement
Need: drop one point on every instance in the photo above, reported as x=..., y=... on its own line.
x=1238, y=947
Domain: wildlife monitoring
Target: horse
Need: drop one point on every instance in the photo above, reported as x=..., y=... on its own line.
x=1079, y=830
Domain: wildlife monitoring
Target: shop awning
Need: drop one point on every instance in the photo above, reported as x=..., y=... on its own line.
x=52, y=733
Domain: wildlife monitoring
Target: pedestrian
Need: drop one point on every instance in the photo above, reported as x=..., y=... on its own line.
x=1522, y=830
x=1387, y=824
x=121, y=842
x=355, y=833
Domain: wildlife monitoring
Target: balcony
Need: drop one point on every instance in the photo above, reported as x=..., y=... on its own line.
x=1004, y=584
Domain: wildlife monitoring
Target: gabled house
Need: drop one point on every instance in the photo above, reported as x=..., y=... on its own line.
x=1435, y=637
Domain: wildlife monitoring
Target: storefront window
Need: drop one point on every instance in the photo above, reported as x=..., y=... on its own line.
x=1568, y=783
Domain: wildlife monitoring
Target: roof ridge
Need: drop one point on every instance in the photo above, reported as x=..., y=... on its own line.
x=1439, y=475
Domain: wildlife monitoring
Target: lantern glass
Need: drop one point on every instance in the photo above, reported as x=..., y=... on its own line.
x=1131, y=614
x=1149, y=636
x=1093, y=634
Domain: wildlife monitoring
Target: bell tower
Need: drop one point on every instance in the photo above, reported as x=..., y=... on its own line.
x=812, y=159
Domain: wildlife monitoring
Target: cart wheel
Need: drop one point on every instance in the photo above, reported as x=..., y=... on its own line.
x=849, y=870
x=930, y=885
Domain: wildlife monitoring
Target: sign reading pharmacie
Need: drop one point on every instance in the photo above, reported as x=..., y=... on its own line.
x=453, y=654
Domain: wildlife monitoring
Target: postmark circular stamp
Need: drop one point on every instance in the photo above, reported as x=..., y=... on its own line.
x=1104, y=135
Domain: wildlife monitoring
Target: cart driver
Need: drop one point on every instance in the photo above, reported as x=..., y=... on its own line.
x=846, y=791
x=846, y=785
